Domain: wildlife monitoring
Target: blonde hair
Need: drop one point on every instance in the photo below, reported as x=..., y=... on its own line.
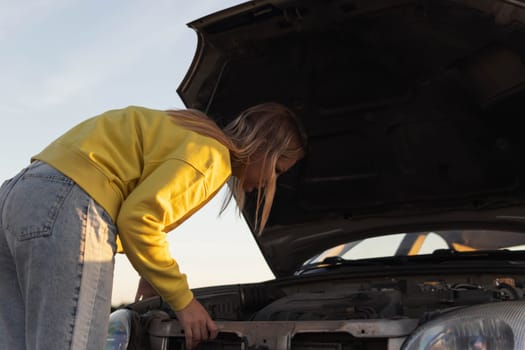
x=269, y=128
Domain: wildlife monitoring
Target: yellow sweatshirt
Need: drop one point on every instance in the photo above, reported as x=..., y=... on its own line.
x=150, y=175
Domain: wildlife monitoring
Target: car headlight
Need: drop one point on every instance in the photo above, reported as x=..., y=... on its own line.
x=481, y=327
x=119, y=330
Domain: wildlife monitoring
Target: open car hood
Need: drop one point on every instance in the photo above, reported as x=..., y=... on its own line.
x=414, y=112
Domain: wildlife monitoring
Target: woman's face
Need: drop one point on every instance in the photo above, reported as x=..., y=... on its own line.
x=257, y=174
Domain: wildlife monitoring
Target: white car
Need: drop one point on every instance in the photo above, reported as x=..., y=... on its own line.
x=404, y=226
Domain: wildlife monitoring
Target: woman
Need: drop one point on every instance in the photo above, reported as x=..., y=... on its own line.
x=138, y=172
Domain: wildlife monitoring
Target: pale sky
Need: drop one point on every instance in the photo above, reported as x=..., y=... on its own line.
x=62, y=61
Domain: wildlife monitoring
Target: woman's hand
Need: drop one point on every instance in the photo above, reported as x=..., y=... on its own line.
x=144, y=290
x=197, y=324
x=195, y=320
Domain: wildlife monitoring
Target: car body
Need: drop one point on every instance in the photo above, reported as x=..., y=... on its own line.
x=414, y=113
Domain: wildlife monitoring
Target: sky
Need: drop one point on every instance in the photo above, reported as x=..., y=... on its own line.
x=63, y=61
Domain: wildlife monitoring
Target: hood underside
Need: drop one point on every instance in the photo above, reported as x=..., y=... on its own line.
x=413, y=111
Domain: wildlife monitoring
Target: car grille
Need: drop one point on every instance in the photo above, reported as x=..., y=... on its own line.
x=313, y=341
x=341, y=335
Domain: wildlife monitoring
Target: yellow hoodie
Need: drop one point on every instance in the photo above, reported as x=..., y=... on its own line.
x=150, y=175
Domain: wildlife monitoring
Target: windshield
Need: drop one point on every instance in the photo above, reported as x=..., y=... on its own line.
x=420, y=243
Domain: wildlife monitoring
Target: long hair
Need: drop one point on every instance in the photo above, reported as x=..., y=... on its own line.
x=269, y=128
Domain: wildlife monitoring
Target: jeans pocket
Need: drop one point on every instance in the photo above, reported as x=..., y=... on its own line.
x=33, y=204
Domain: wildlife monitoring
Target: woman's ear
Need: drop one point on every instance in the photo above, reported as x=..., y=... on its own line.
x=238, y=169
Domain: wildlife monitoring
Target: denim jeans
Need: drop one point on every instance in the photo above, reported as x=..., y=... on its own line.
x=57, y=250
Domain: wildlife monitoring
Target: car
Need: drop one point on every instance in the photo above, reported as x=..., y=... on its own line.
x=404, y=226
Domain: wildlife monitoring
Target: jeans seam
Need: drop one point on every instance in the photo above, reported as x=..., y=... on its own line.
x=81, y=264
x=52, y=178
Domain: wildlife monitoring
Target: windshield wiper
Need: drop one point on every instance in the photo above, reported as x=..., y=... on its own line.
x=438, y=256
x=335, y=262
x=451, y=254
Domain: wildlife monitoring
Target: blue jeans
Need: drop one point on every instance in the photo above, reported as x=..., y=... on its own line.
x=57, y=250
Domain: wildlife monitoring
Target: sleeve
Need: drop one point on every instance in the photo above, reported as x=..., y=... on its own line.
x=166, y=197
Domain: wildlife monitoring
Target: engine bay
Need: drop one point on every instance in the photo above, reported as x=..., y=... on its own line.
x=330, y=312
x=416, y=297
